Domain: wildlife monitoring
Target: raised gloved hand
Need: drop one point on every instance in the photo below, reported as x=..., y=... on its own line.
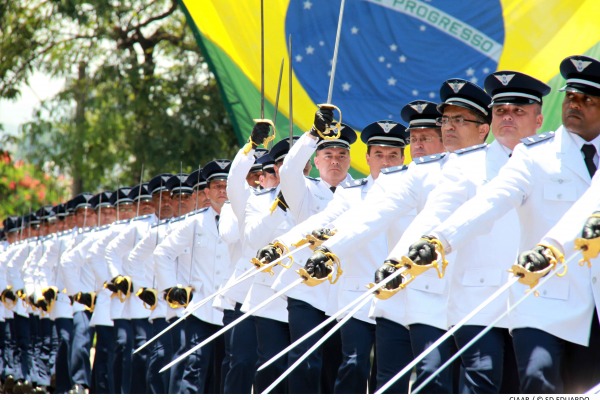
x=422, y=252
x=387, y=269
x=148, y=296
x=591, y=228
x=316, y=266
x=536, y=259
x=50, y=293
x=178, y=295
x=323, y=119
x=259, y=133
x=87, y=299
x=268, y=253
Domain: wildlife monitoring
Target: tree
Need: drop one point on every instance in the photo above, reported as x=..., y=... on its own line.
x=137, y=92
x=24, y=187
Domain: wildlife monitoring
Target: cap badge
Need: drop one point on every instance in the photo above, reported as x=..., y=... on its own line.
x=580, y=65
x=456, y=86
x=504, y=79
x=386, y=126
x=222, y=164
x=419, y=107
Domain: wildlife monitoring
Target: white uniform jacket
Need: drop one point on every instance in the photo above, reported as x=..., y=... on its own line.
x=479, y=269
x=541, y=180
x=261, y=227
x=209, y=267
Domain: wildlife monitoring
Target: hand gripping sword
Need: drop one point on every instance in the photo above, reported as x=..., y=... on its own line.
x=247, y=274
x=374, y=288
x=304, y=278
x=532, y=279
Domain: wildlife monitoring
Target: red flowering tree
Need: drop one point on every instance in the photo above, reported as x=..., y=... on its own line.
x=24, y=187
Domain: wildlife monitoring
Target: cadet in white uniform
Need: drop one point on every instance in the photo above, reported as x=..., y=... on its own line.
x=305, y=197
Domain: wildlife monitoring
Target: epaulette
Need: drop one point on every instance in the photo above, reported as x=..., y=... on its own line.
x=162, y=222
x=313, y=179
x=122, y=221
x=180, y=218
x=470, y=149
x=193, y=212
x=202, y=210
x=102, y=228
x=391, y=170
x=430, y=158
x=355, y=183
x=141, y=217
x=264, y=191
x=528, y=141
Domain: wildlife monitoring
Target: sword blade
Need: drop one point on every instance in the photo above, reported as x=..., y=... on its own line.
x=190, y=310
x=291, y=113
x=409, y=367
x=335, y=52
x=278, y=91
x=328, y=320
x=490, y=326
x=315, y=346
x=262, y=59
x=233, y=324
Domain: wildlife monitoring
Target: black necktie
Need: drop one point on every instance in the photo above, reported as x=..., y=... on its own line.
x=332, y=188
x=217, y=221
x=589, y=151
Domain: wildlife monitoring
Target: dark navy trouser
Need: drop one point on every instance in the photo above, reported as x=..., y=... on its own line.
x=393, y=353
x=272, y=337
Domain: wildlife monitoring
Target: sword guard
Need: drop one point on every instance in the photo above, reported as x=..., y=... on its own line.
x=312, y=240
x=589, y=249
x=531, y=278
x=333, y=261
x=337, y=126
x=413, y=269
x=268, y=140
x=384, y=293
x=281, y=250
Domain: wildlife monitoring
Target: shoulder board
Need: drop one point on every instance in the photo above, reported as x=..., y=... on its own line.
x=192, y=213
x=391, y=170
x=264, y=191
x=162, y=222
x=101, y=228
x=201, y=210
x=313, y=179
x=430, y=158
x=355, y=183
x=141, y=217
x=471, y=149
x=177, y=219
x=122, y=221
x=528, y=141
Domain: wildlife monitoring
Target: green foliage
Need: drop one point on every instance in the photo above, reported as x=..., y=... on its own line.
x=137, y=91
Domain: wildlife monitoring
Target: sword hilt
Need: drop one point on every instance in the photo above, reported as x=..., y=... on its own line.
x=281, y=250
x=531, y=278
x=333, y=262
x=268, y=139
x=336, y=128
x=589, y=249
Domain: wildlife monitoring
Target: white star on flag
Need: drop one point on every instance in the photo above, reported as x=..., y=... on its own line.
x=393, y=47
x=321, y=43
x=486, y=70
x=354, y=30
x=388, y=65
x=307, y=5
x=402, y=58
x=391, y=81
x=346, y=86
x=470, y=72
x=298, y=58
x=422, y=28
x=431, y=95
x=381, y=58
x=310, y=50
x=474, y=79
x=415, y=92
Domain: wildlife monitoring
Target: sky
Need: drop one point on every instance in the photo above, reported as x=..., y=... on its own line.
x=15, y=113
